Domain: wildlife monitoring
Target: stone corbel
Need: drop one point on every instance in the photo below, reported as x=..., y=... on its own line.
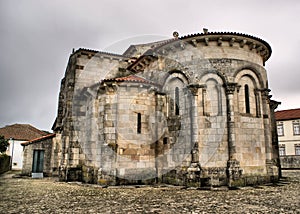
x=220, y=41
x=259, y=48
x=243, y=43
x=263, y=52
x=265, y=92
x=252, y=46
x=194, y=42
x=206, y=41
x=231, y=42
x=274, y=104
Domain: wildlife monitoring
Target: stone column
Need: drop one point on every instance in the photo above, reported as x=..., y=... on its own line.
x=267, y=124
x=194, y=168
x=272, y=169
x=230, y=88
x=194, y=111
x=275, y=145
x=160, y=108
x=233, y=165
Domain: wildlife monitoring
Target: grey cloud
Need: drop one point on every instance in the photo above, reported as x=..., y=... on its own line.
x=38, y=36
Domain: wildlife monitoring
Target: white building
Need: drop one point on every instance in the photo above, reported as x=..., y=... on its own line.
x=17, y=134
x=288, y=129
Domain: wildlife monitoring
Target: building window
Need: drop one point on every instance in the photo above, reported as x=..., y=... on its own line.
x=296, y=127
x=297, y=149
x=176, y=101
x=280, y=130
x=139, y=123
x=165, y=140
x=281, y=150
x=247, y=99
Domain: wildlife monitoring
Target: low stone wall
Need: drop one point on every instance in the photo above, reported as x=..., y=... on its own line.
x=290, y=162
x=207, y=178
x=4, y=163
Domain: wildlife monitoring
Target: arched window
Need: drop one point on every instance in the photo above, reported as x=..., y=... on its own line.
x=247, y=99
x=176, y=101
x=213, y=98
x=139, y=123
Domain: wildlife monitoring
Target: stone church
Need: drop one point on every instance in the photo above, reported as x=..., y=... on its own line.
x=193, y=110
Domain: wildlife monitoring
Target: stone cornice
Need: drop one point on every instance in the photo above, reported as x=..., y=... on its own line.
x=220, y=38
x=253, y=42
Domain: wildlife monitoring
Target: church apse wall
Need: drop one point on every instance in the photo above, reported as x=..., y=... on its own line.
x=193, y=110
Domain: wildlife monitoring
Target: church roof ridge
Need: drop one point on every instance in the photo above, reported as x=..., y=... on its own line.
x=99, y=52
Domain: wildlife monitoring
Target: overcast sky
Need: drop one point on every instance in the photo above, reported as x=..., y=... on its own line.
x=37, y=37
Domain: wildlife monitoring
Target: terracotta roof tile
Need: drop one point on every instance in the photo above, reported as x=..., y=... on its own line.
x=21, y=132
x=290, y=114
x=38, y=139
x=130, y=78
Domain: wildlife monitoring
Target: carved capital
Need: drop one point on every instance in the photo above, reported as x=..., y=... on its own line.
x=265, y=92
x=230, y=88
x=194, y=89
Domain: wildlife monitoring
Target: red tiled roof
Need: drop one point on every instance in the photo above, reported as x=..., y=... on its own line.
x=21, y=132
x=38, y=139
x=290, y=114
x=131, y=78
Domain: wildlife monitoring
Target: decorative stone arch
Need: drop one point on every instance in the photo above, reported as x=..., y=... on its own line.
x=175, y=87
x=251, y=72
x=248, y=97
x=212, y=73
x=213, y=94
x=176, y=74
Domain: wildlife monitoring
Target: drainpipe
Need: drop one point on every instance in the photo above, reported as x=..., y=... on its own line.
x=12, y=152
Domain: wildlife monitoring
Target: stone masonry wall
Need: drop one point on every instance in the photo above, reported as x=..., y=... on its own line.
x=46, y=146
x=206, y=118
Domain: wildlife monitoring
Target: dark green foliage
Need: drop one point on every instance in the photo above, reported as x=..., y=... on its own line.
x=3, y=144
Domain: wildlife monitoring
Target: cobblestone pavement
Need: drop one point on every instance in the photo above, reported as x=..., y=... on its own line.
x=25, y=195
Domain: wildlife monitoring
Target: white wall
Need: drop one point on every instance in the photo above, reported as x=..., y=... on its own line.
x=16, y=154
x=288, y=139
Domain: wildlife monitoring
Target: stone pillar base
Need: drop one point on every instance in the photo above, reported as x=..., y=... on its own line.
x=70, y=173
x=234, y=172
x=272, y=168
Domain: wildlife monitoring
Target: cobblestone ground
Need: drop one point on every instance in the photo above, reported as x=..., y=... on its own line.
x=24, y=195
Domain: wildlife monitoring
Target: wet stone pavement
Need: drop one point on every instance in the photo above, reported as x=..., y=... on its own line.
x=26, y=195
